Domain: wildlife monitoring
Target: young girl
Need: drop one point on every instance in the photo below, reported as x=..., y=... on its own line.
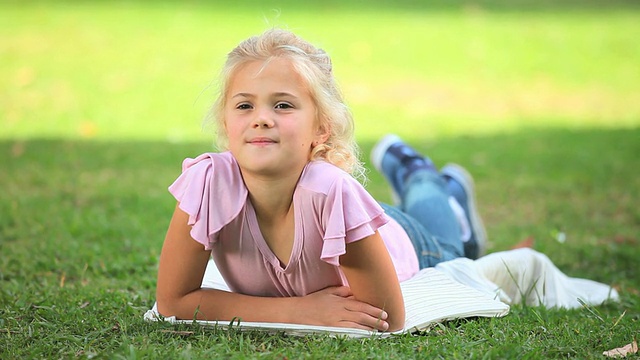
x=294, y=235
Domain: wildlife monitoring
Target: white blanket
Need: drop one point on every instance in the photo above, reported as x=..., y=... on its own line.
x=525, y=276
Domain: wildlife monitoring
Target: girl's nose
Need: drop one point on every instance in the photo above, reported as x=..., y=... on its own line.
x=263, y=120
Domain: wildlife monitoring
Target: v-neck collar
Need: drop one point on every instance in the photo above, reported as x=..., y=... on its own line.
x=263, y=247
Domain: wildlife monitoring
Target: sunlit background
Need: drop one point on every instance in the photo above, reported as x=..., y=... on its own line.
x=147, y=70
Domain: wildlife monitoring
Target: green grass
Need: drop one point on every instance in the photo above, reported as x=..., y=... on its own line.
x=100, y=102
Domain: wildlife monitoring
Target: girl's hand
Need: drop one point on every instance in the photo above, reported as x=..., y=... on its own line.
x=336, y=306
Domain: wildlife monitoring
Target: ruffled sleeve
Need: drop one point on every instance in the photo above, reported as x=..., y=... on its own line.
x=211, y=191
x=350, y=214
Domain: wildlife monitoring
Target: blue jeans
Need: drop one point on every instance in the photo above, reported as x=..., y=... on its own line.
x=426, y=216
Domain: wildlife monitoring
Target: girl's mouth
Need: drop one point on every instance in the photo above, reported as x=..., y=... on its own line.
x=261, y=141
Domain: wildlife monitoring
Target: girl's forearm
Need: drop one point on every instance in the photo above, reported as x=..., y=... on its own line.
x=219, y=305
x=333, y=306
x=372, y=277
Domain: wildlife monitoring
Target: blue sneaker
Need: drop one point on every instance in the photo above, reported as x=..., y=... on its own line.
x=461, y=187
x=396, y=160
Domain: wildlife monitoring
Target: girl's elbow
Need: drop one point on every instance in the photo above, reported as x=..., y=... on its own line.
x=396, y=320
x=167, y=304
x=166, y=307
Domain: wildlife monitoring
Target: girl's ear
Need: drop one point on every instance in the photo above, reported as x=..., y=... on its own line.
x=323, y=133
x=224, y=125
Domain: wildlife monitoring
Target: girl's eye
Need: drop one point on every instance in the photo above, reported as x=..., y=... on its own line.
x=243, y=107
x=283, y=105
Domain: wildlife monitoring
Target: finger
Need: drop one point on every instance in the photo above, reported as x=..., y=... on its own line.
x=368, y=309
x=369, y=316
x=355, y=325
x=342, y=291
x=361, y=321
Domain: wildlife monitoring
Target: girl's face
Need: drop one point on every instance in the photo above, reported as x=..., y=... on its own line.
x=270, y=119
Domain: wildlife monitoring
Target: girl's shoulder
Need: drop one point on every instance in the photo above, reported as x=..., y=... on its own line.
x=219, y=171
x=323, y=177
x=221, y=161
x=210, y=181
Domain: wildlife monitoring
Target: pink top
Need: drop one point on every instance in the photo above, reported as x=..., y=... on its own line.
x=331, y=209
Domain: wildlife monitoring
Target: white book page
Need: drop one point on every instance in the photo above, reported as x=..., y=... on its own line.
x=430, y=297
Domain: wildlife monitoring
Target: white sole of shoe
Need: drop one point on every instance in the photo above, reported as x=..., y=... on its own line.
x=463, y=177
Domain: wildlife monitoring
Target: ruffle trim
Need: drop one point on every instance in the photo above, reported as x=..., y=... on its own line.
x=210, y=201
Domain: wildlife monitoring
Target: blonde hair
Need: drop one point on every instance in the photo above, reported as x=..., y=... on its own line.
x=314, y=66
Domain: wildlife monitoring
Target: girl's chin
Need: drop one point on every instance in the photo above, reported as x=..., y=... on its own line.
x=275, y=168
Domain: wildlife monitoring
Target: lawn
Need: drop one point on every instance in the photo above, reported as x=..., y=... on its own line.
x=100, y=102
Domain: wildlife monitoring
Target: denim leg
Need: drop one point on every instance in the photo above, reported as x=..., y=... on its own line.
x=426, y=199
x=426, y=245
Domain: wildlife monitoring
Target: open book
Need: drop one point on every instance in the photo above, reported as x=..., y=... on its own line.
x=431, y=296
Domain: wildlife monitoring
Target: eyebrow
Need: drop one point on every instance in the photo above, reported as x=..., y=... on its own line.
x=277, y=94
